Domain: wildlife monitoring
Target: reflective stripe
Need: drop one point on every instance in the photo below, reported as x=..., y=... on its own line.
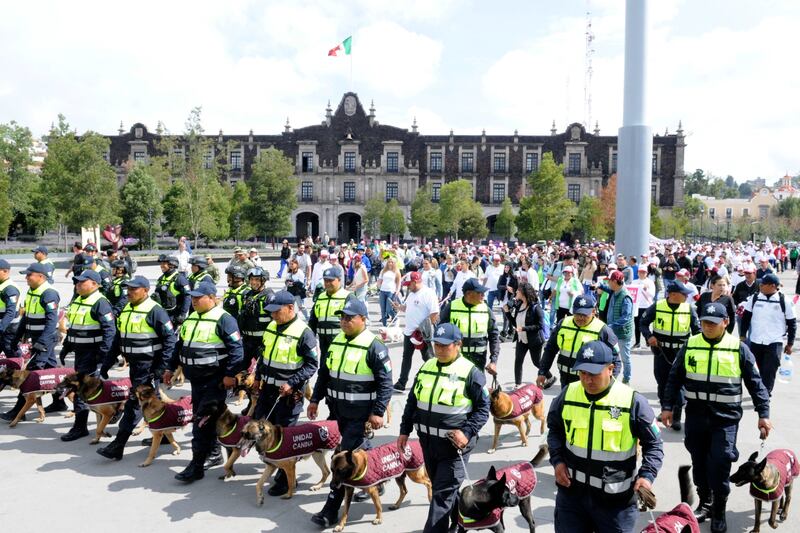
x=566, y=369
x=600, y=455
x=253, y=333
x=35, y=315
x=719, y=398
x=714, y=379
x=328, y=331
x=83, y=340
x=87, y=327
x=434, y=431
x=351, y=396
x=672, y=344
x=35, y=327
x=203, y=360
x=208, y=345
x=444, y=409
x=473, y=349
x=152, y=335
x=286, y=366
x=141, y=349
x=611, y=488
x=273, y=381
x=264, y=318
x=364, y=378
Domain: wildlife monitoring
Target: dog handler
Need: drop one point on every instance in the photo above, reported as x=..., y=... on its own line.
x=323, y=320
x=594, y=426
x=448, y=405
x=172, y=290
x=254, y=317
x=210, y=350
x=356, y=382
x=9, y=309
x=146, y=338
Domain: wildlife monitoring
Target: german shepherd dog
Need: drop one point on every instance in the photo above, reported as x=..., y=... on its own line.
x=768, y=477
x=16, y=379
x=86, y=386
x=153, y=405
x=245, y=387
x=217, y=412
x=266, y=436
x=680, y=519
x=502, y=407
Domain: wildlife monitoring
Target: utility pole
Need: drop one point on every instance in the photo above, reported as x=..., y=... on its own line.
x=587, y=76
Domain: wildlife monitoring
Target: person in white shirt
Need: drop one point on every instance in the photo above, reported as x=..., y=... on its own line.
x=464, y=273
x=320, y=266
x=304, y=261
x=432, y=276
x=388, y=289
x=183, y=256
x=646, y=293
x=255, y=258
x=422, y=312
x=490, y=278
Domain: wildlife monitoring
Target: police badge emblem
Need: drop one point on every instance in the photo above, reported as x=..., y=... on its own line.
x=614, y=412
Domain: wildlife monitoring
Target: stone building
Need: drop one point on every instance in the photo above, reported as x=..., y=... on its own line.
x=350, y=157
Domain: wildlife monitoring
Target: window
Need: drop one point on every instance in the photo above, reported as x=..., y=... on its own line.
x=728, y=213
x=745, y=212
x=308, y=162
x=208, y=158
x=391, y=190
x=763, y=211
x=500, y=162
x=349, y=191
x=436, y=190
x=307, y=191
x=655, y=163
x=468, y=162
x=712, y=213
x=349, y=161
x=106, y=156
x=574, y=192
x=236, y=160
x=392, y=161
x=574, y=165
x=613, y=162
x=498, y=193
x=654, y=192
x=531, y=162
x=139, y=157
x=436, y=162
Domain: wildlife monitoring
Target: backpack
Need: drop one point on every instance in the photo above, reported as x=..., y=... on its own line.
x=781, y=300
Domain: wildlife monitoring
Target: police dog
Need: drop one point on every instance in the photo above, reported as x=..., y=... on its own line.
x=85, y=386
x=680, y=519
x=225, y=422
x=777, y=470
x=516, y=408
x=178, y=378
x=153, y=404
x=265, y=436
x=16, y=379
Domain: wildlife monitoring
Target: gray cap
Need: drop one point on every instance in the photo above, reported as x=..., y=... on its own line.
x=713, y=312
x=202, y=262
x=447, y=333
x=280, y=299
x=138, y=282
x=353, y=307
x=593, y=357
x=36, y=268
x=204, y=288
x=332, y=273
x=42, y=249
x=5, y=265
x=89, y=275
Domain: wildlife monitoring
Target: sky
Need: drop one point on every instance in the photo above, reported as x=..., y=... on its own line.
x=727, y=69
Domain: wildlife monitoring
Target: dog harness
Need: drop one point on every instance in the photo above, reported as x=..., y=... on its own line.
x=304, y=439
x=675, y=520
x=522, y=401
x=172, y=416
x=44, y=380
x=788, y=468
x=520, y=480
x=387, y=462
x=233, y=436
x=112, y=391
x=12, y=363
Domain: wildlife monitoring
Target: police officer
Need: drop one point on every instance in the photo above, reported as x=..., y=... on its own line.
x=9, y=309
x=92, y=263
x=476, y=321
x=40, y=254
x=324, y=321
x=568, y=337
x=288, y=361
x=356, y=382
x=38, y=325
x=146, y=338
x=117, y=295
x=233, y=298
x=712, y=367
x=90, y=335
x=254, y=317
x=209, y=348
x=594, y=426
x=199, y=273
x=667, y=324
x=172, y=290
x=448, y=405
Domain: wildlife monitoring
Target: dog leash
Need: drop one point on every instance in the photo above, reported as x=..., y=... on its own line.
x=464, y=464
x=653, y=519
x=274, y=405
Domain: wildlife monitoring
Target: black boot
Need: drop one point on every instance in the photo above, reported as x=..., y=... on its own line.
x=193, y=471
x=149, y=441
x=280, y=484
x=363, y=495
x=718, y=524
x=114, y=449
x=57, y=406
x=214, y=457
x=703, y=510
x=78, y=429
x=12, y=414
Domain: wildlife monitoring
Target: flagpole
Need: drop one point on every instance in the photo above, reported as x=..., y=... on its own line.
x=352, y=89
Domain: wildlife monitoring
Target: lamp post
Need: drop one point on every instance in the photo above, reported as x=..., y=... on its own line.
x=150, y=225
x=728, y=230
x=702, y=212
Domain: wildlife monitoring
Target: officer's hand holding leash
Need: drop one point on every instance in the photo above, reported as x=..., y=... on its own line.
x=562, y=475
x=652, y=341
x=228, y=382
x=166, y=378
x=764, y=427
x=458, y=439
x=666, y=418
x=375, y=421
x=540, y=381
x=284, y=390
x=311, y=411
x=402, y=441
x=492, y=369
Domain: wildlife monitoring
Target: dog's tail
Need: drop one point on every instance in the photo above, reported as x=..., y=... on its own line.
x=541, y=455
x=685, y=483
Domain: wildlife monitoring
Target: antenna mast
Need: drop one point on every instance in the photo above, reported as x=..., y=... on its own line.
x=587, y=76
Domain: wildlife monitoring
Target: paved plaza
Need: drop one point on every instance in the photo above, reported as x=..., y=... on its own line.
x=50, y=485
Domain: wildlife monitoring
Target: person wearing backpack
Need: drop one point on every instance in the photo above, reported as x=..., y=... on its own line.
x=528, y=323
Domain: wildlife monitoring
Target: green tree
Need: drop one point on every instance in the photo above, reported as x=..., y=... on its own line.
x=472, y=222
x=789, y=208
x=373, y=214
x=504, y=223
x=424, y=215
x=393, y=221
x=455, y=205
x=547, y=212
x=141, y=204
x=696, y=183
x=240, y=224
x=589, y=219
x=15, y=155
x=656, y=224
x=273, y=193
x=745, y=190
x=6, y=211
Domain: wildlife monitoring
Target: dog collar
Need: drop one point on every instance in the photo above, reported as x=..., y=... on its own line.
x=765, y=491
x=510, y=410
x=95, y=395
x=227, y=433
x=275, y=448
x=154, y=419
x=362, y=474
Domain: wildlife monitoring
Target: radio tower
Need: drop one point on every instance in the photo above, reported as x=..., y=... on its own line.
x=587, y=76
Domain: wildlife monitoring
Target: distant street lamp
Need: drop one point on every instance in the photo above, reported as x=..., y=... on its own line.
x=150, y=225
x=728, y=230
x=237, y=223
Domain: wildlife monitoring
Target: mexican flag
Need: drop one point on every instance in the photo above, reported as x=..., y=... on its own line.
x=342, y=48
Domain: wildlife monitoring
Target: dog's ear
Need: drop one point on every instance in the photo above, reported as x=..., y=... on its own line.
x=492, y=475
x=761, y=466
x=349, y=457
x=753, y=457
x=500, y=486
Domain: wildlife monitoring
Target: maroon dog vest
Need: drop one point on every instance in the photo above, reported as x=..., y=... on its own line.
x=522, y=400
x=234, y=435
x=786, y=463
x=112, y=391
x=386, y=462
x=674, y=521
x=12, y=363
x=174, y=415
x=304, y=439
x=520, y=480
x=44, y=380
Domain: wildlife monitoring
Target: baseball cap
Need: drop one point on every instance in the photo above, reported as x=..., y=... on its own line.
x=36, y=268
x=472, y=284
x=593, y=357
x=568, y=269
x=446, y=334
x=280, y=299
x=411, y=277
x=617, y=276
x=238, y=250
x=90, y=248
x=138, y=282
x=204, y=288
x=199, y=261
x=253, y=250
x=42, y=249
x=5, y=265
x=770, y=279
x=713, y=312
x=353, y=307
x=332, y=273
x=89, y=275
x=749, y=268
x=677, y=286
x=682, y=273
x=324, y=251
x=583, y=305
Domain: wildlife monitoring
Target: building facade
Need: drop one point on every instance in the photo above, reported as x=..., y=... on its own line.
x=350, y=157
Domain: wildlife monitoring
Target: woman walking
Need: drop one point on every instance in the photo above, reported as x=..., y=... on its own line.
x=528, y=320
x=388, y=287
x=506, y=288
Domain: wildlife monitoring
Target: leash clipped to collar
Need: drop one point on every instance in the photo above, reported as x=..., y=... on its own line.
x=464, y=464
x=495, y=384
x=274, y=405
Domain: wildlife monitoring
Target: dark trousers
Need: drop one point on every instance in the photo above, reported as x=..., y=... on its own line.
x=352, y=431
x=253, y=349
x=768, y=359
x=140, y=373
x=535, y=350
x=579, y=511
x=408, y=355
x=637, y=331
x=7, y=340
x=286, y=410
x=446, y=473
x=85, y=362
x=565, y=379
x=664, y=357
x=42, y=359
x=712, y=445
x=204, y=438
x=561, y=313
